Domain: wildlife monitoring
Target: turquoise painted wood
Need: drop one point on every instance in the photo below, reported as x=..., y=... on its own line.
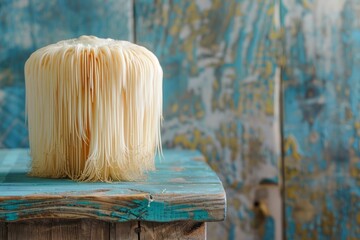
x=28, y=25
x=220, y=94
x=321, y=81
x=183, y=187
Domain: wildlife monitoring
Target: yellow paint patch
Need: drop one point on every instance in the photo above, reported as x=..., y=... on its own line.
x=269, y=107
x=215, y=85
x=306, y=4
x=357, y=127
x=268, y=70
x=291, y=145
x=200, y=114
x=174, y=108
x=270, y=11
x=303, y=211
x=282, y=61
x=277, y=34
x=238, y=11
x=292, y=192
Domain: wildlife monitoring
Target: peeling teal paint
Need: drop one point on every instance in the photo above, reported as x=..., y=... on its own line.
x=149, y=200
x=219, y=61
x=28, y=25
x=269, y=229
x=321, y=119
x=11, y=216
x=135, y=210
x=10, y=204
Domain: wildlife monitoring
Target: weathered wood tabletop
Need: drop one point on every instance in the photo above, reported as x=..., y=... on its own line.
x=183, y=187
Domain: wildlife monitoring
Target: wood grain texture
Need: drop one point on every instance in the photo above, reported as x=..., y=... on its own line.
x=90, y=229
x=174, y=230
x=3, y=230
x=322, y=119
x=182, y=188
x=125, y=230
x=31, y=230
x=221, y=88
x=65, y=229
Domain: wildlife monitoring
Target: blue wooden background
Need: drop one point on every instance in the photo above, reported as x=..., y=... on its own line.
x=219, y=60
x=26, y=25
x=226, y=65
x=321, y=82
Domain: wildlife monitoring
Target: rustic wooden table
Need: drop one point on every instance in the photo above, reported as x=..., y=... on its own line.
x=174, y=202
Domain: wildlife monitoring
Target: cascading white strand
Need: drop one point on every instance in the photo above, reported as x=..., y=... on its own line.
x=94, y=109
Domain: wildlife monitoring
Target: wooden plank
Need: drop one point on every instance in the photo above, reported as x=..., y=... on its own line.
x=92, y=229
x=173, y=230
x=3, y=230
x=40, y=230
x=221, y=89
x=182, y=188
x=47, y=229
x=126, y=230
x=321, y=119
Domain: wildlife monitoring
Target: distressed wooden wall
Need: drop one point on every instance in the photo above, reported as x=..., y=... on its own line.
x=321, y=82
x=219, y=61
x=26, y=25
